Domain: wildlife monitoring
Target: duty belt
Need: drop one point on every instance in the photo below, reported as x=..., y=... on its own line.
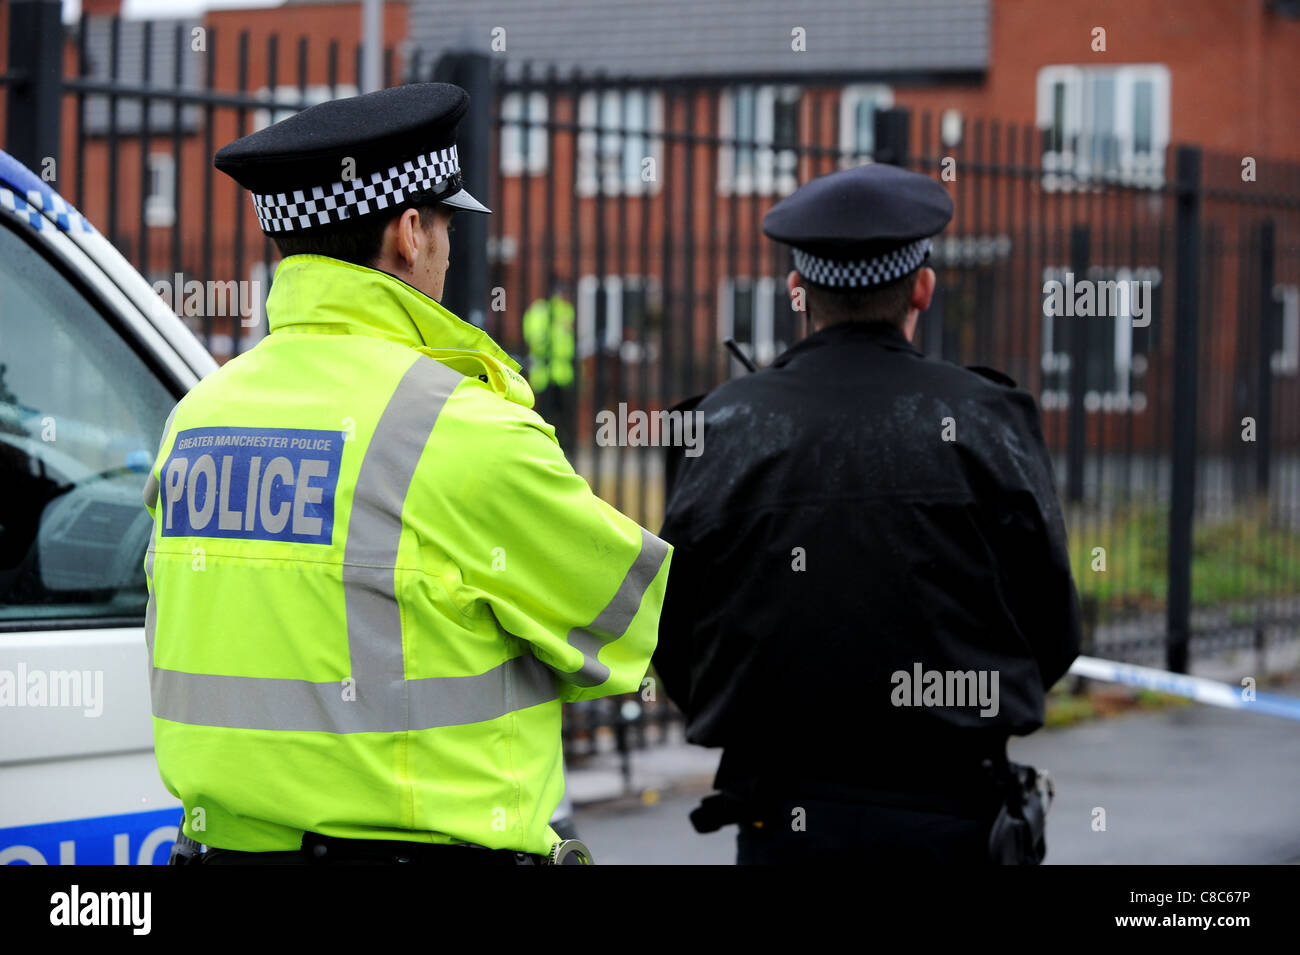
x=327, y=850
x=1016, y=834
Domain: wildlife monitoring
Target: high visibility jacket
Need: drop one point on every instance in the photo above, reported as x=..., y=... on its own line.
x=548, y=329
x=374, y=577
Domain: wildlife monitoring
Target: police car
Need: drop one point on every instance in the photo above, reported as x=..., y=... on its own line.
x=91, y=362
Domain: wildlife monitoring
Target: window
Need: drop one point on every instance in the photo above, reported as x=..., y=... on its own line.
x=160, y=204
x=290, y=93
x=622, y=305
x=80, y=419
x=1103, y=122
x=619, y=151
x=127, y=113
x=1285, y=359
x=599, y=309
x=1115, y=351
x=520, y=149
x=761, y=124
x=758, y=315
x=858, y=105
x=641, y=314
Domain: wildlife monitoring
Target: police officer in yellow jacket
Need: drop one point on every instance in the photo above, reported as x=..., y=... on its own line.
x=548, y=330
x=374, y=577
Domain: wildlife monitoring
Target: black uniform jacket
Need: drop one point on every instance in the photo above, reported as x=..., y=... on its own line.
x=829, y=536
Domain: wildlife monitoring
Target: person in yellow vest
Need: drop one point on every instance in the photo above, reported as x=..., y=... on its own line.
x=374, y=577
x=548, y=332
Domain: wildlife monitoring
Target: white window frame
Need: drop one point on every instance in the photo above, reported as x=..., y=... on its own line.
x=1127, y=395
x=586, y=317
x=851, y=97
x=160, y=204
x=1063, y=169
x=610, y=172
x=1287, y=361
x=512, y=134
x=775, y=171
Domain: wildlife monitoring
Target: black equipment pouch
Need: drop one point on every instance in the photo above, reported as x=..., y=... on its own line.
x=1018, y=835
x=185, y=852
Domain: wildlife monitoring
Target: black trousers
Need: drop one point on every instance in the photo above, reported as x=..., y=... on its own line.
x=810, y=831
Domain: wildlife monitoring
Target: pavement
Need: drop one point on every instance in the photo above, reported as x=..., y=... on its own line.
x=1190, y=784
x=658, y=768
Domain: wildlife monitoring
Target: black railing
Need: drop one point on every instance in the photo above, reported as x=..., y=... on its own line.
x=1172, y=417
x=1173, y=423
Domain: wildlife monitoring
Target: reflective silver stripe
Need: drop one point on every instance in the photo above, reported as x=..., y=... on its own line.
x=151, y=485
x=151, y=500
x=612, y=622
x=374, y=532
x=151, y=608
x=256, y=703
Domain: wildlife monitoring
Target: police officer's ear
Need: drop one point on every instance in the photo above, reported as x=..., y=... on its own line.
x=923, y=290
x=409, y=237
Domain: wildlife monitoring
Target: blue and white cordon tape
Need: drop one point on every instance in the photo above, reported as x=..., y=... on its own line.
x=1192, y=687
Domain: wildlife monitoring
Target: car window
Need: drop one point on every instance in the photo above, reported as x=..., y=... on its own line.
x=80, y=419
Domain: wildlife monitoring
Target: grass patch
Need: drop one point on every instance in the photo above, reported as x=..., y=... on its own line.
x=1241, y=559
x=1151, y=700
x=1103, y=701
x=1067, y=711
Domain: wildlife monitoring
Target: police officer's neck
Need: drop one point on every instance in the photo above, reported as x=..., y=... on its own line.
x=906, y=328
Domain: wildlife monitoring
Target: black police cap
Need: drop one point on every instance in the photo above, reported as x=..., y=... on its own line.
x=863, y=226
x=393, y=146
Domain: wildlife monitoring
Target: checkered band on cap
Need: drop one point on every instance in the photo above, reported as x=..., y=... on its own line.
x=864, y=272
x=437, y=172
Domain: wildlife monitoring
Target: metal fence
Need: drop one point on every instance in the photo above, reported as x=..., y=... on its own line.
x=1171, y=414
x=1172, y=418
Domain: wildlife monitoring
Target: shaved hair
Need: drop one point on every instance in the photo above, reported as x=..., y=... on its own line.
x=877, y=303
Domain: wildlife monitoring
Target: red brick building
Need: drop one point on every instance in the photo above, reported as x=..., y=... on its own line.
x=641, y=184
x=1073, y=91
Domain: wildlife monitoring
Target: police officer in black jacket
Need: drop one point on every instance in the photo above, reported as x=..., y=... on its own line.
x=871, y=588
